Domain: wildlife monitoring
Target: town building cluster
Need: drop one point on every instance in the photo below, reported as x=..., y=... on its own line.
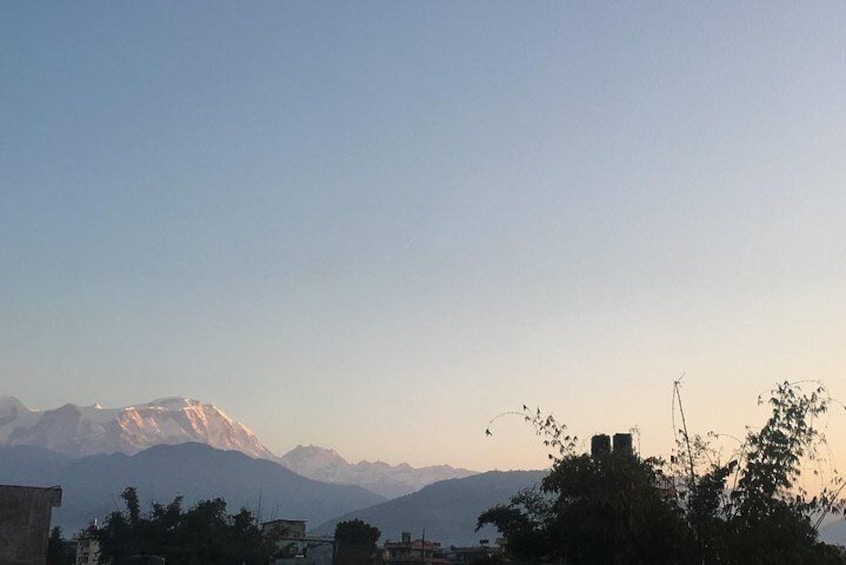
x=296, y=547
x=25, y=527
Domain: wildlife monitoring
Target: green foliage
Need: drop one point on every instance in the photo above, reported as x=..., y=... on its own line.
x=554, y=434
x=355, y=542
x=602, y=510
x=357, y=532
x=620, y=509
x=767, y=515
x=613, y=509
x=773, y=454
x=205, y=533
x=59, y=550
x=523, y=521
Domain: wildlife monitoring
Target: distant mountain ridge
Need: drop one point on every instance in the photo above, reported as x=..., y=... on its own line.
x=79, y=431
x=391, y=481
x=446, y=510
x=87, y=430
x=92, y=485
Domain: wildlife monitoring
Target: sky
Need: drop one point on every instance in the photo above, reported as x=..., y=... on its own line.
x=375, y=226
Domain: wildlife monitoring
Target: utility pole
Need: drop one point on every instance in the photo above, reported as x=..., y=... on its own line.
x=423, y=548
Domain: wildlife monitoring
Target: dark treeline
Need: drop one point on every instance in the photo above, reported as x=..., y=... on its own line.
x=204, y=534
x=618, y=509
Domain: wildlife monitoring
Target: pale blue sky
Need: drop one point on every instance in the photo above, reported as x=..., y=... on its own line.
x=373, y=226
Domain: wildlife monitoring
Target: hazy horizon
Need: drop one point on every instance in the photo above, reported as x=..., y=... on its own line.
x=375, y=226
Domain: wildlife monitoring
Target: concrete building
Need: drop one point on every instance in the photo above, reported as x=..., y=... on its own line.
x=408, y=552
x=294, y=546
x=467, y=555
x=87, y=550
x=288, y=529
x=25, y=514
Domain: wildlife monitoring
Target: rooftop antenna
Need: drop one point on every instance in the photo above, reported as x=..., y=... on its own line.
x=678, y=400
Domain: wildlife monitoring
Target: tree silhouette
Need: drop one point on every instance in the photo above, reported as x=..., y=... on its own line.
x=59, y=551
x=620, y=509
x=205, y=533
x=355, y=542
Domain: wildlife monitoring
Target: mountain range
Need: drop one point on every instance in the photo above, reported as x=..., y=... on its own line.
x=92, y=484
x=79, y=431
x=446, y=511
x=181, y=447
x=87, y=430
x=387, y=480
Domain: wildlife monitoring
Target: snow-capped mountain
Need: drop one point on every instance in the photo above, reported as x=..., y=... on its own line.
x=387, y=480
x=87, y=430
x=79, y=431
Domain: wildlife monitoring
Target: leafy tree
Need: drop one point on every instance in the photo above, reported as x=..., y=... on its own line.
x=355, y=542
x=523, y=522
x=607, y=509
x=357, y=532
x=620, y=509
x=766, y=516
x=205, y=533
x=59, y=550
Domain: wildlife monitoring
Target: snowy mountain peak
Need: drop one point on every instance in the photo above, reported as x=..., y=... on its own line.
x=173, y=403
x=382, y=478
x=312, y=452
x=86, y=430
